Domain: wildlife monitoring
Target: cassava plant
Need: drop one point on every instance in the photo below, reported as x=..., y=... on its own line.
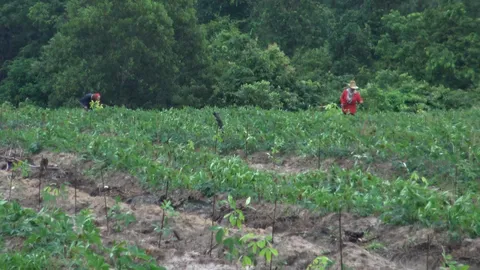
x=244, y=248
x=165, y=229
x=119, y=219
x=320, y=263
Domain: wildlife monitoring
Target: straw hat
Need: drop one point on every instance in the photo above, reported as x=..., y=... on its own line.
x=353, y=84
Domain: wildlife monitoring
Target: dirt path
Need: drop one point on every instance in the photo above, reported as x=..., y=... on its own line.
x=300, y=235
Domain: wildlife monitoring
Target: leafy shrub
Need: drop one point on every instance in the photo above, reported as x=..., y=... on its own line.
x=396, y=91
x=312, y=64
x=51, y=240
x=259, y=94
x=440, y=45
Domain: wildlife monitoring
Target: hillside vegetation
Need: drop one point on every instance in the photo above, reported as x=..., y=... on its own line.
x=405, y=55
x=183, y=146
x=219, y=143
x=400, y=167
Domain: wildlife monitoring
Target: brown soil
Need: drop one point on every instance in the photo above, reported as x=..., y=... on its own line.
x=300, y=235
x=291, y=164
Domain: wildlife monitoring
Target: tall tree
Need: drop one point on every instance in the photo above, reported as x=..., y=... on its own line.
x=235, y=9
x=122, y=48
x=25, y=26
x=292, y=24
x=440, y=45
x=193, y=77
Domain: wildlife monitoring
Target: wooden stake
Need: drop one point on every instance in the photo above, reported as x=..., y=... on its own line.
x=246, y=144
x=213, y=223
x=340, y=235
x=428, y=250
x=274, y=218
x=216, y=139
x=105, y=201
x=40, y=191
x=11, y=185
x=274, y=211
x=75, y=196
x=161, y=227
x=43, y=168
x=163, y=213
x=455, y=182
x=318, y=154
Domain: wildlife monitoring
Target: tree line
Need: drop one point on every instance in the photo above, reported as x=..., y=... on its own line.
x=406, y=55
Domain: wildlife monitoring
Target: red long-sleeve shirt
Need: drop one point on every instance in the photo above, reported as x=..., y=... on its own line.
x=352, y=107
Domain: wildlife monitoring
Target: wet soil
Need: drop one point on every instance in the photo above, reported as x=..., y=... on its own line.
x=299, y=235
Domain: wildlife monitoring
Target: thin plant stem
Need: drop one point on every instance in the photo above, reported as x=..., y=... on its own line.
x=274, y=211
x=11, y=185
x=216, y=140
x=75, y=196
x=246, y=143
x=162, y=225
x=40, y=190
x=319, y=151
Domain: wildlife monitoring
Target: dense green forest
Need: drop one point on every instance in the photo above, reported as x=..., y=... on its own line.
x=406, y=55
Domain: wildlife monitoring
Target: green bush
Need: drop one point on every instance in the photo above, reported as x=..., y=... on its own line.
x=396, y=91
x=259, y=94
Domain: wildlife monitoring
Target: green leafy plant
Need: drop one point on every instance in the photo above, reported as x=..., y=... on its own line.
x=95, y=105
x=433, y=145
x=247, y=248
x=120, y=219
x=375, y=246
x=53, y=239
x=22, y=167
x=450, y=264
x=320, y=263
x=165, y=229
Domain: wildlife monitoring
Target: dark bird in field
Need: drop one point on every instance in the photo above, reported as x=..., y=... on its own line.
x=354, y=236
x=219, y=120
x=43, y=164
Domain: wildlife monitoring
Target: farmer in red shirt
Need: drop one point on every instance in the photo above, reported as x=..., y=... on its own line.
x=349, y=99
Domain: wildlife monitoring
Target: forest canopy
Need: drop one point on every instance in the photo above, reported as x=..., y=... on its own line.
x=290, y=54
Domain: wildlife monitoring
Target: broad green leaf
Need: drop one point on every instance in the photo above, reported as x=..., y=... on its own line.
x=261, y=244
x=262, y=252
x=231, y=202
x=246, y=261
x=268, y=255
x=233, y=220
x=219, y=236
x=247, y=237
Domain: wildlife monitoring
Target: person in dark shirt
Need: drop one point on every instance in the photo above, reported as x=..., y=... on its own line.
x=85, y=101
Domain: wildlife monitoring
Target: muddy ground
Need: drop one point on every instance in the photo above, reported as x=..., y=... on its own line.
x=300, y=235
x=292, y=164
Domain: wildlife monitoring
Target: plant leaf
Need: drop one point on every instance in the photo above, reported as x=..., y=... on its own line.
x=246, y=261
x=261, y=244
x=219, y=236
x=268, y=255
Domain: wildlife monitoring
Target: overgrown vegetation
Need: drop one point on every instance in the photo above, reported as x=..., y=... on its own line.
x=405, y=55
x=52, y=239
x=178, y=145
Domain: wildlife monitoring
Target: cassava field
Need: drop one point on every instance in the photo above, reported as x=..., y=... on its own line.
x=123, y=189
